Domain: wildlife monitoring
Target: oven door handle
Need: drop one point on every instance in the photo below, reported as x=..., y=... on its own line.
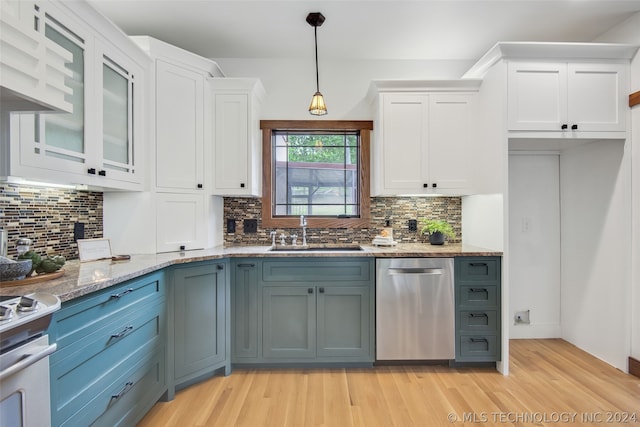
x=28, y=360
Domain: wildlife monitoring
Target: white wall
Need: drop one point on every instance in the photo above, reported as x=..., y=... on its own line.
x=629, y=32
x=290, y=83
x=596, y=245
x=534, y=244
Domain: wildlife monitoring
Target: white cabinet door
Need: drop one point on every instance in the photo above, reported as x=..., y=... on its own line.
x=231, y=143
x=597, y=97
x=404, y=122
x=237, y=139
x=179, y=128
x=537, y=96
x=451, y=126
x=181, y=222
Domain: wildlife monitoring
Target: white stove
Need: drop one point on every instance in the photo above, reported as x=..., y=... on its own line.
x=24, y=359
x=25, y=317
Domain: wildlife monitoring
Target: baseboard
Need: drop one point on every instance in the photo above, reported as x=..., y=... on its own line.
x=535, y=331
x=634, y=367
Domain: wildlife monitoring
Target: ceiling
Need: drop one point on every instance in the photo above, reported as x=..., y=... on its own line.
x=363, y=29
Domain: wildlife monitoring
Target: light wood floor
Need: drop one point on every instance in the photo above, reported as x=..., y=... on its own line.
x=551, y=383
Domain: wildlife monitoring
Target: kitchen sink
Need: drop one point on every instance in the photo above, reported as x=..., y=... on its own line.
x=317, y=247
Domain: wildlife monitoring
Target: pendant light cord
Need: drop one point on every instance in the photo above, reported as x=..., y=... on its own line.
x=315, y=32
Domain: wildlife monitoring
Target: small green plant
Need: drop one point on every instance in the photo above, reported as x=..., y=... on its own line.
x=430, y=226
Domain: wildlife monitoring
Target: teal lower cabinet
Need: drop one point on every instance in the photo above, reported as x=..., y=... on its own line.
x=477, y=295
x=110, y=365
x=198, y=330
x=303, y=311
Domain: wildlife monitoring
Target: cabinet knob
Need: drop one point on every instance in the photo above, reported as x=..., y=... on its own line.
x=425, y=185
x=220, y=267
x=310, y=290
x=242, y=185
x=182, y=247
x=321, y=290
x=434, y=185
x=199, y=185
x=91, y=171
x=564, y=126
x=574, y=127
x=102, y=173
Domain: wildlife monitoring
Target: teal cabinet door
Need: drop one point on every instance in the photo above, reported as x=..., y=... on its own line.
x=245, y=309
x=344, y=318
x=289, y=322
x=199, y=331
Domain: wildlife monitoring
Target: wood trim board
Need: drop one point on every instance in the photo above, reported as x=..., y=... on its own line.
x=634, y=367
x=634, y=99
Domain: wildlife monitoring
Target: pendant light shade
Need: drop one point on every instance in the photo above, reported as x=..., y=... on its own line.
x=317, y=106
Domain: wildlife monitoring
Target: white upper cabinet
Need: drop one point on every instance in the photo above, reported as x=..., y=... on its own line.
x=100, y=144
x=237, y=145
x=181, y=125
x=567, y=97
x=33, y=74
x=180, y=128
x=423, y=142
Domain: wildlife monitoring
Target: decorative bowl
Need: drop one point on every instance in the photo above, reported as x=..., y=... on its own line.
x=14, y=270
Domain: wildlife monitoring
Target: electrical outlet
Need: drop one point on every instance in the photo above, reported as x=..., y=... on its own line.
x=413, y=225
x=250, y=225
x=231, y=225
x=521, y=318
x=78, y=231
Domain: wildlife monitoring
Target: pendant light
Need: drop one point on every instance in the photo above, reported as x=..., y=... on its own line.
x=317, y=107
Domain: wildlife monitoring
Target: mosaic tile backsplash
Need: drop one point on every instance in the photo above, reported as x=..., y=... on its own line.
x=47, y=217
x=397, y=209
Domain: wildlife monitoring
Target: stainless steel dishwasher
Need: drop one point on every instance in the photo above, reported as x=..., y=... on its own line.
x=415, y=314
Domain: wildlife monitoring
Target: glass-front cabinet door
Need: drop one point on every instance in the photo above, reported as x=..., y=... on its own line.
x=120, y=106
x=58, y=141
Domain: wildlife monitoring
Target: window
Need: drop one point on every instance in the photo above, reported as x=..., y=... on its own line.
x=319, y=169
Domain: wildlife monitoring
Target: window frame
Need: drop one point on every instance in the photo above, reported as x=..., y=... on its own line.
x=364, y=127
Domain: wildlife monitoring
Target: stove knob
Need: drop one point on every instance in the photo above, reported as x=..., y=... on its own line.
x=5, y=312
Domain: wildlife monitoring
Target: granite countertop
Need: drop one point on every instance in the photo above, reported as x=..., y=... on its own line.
x=83, y=278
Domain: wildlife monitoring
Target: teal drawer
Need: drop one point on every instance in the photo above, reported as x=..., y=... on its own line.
x=125, y=400
x=471, y=269
x=80, y=318
x=70, y=356
x=478, y=321
x=75, y=385
x=477, y=296
x=317, y=271
x=478, y=348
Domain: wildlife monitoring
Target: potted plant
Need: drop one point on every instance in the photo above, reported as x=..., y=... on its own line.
x=437, y=230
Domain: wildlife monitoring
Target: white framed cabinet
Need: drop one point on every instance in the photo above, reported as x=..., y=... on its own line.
x=572, y=98
x=237, y=149
x=101, y=143
x=424, y=143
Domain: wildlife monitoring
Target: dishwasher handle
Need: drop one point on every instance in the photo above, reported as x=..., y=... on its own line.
x=415, y=270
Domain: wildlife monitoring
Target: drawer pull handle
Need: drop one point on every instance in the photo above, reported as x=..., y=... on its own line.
x=121, y=294
x=123, y=391
x=477, y=290
x=478, y=264
x=478, y=315
x=122, y=332
x=476, y=340
x=246, y=265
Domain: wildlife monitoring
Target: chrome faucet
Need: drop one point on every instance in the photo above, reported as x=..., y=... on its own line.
x=303, y=224
x=273, y=237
